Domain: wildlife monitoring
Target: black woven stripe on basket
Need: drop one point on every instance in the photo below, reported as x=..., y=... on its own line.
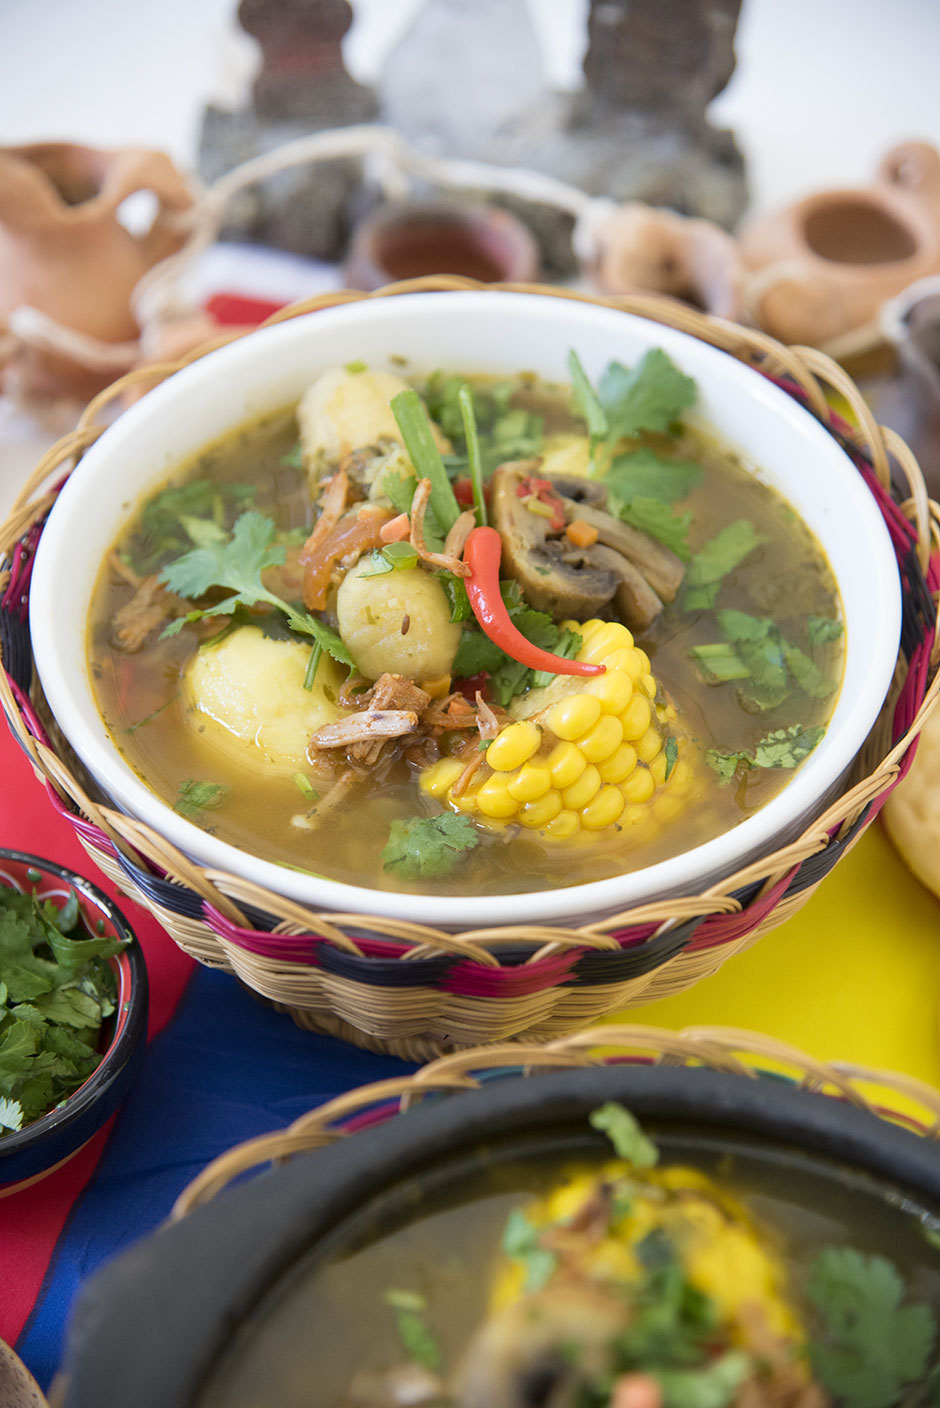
x=17, y=649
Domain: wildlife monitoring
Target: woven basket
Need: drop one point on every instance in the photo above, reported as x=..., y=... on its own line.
x=888, y=1095
x=414, y=990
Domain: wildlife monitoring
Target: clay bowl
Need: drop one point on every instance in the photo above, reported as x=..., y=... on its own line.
x=212, y=1284
x=486, y=330
x=28, y=1154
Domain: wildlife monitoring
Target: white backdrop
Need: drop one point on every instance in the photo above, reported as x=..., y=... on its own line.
x=822, y=88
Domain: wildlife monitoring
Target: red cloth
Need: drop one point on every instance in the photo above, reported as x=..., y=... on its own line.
x=32, y=1219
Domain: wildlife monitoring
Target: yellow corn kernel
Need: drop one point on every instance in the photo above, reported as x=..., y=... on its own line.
x=644, y=660
x=620, y=764
x=566, y=763
x=648, y=686
x=624, y=659
x=636, y=717
x=603, y=739
x=540, y=813
x=513, y=746
x=565, y=824
x=580, y=793
x=495, y=799
x=440, y=776
x=648, y=746
x=604, y=809
x=614, y=690
x=532, y=781
x=572, y=717
x=639, y=786
x=587, y=630
x=611, y=636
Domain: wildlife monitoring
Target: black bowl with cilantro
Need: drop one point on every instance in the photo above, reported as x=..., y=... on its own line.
x=73, y=1014
x=383, y=1247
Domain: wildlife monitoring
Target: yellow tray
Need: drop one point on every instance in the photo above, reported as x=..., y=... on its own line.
x=853, y=976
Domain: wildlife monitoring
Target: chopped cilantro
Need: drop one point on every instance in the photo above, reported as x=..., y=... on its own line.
x=506, y=432
x=644, y=474
x=162, y=531
x=197, y=796
x=306, y=787
x=784, y=748
x=715, y=559
x=656, y=518
x=394, y=557
x=236, y=564
x=56, y=989
x=871, y=1345
x=428, y=848
x=822, y=629
x=648, y=397
x=522, y=1242
x=355, y=367
x=671, y=754
x=755, y=651
x=713, y=1385
x=294, y=459
x=624, y=1132
x=417, y=1340
x=476, y=653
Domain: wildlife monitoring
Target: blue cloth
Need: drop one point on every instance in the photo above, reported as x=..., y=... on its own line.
x=227, y=1068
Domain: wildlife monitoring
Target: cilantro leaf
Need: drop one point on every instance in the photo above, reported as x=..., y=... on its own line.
x=522, y=1242
x=871, y=1345
x=644, y=474
x=624, y=1132
x=196, y=796
x=715, y=1385
x=428, y=848
x=48, y=1042
x=784, y=748
x=417, y=1340
x=656, y=518
x=715, y=559
x=822, y=629
x=651, y=396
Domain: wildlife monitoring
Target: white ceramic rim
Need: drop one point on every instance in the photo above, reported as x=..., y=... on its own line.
x=61, y=585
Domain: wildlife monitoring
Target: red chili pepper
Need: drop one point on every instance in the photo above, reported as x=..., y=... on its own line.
x=482, y=553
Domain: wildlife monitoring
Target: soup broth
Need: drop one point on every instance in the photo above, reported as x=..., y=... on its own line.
x=743, y=664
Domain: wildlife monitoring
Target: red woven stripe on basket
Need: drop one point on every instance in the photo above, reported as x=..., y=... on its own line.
x=725, y=928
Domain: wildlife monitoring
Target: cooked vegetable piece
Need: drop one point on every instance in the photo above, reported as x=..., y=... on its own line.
x=397, y=622
x=247, y=693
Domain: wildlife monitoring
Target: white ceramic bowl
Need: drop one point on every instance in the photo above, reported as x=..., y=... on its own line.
x=495, y=332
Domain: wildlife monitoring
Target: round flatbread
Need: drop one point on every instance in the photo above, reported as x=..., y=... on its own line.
x=912, y=812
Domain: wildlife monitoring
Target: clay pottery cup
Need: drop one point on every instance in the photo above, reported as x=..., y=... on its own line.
x=823, y=267
x=410, y=239
x=65, y=253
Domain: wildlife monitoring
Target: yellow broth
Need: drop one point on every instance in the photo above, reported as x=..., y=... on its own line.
x=139, y=696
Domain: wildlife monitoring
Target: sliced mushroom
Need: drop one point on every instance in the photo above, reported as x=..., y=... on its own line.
x=624, y=565
x=661, y=568
x=537, y=562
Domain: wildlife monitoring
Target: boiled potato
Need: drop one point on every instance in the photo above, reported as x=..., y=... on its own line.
x=397, y=622
x=246, y=694
x=347, y=410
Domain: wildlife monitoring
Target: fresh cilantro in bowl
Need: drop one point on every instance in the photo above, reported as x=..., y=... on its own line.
x=57, y=993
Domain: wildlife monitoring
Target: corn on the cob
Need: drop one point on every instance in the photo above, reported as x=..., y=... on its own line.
x=582, y=757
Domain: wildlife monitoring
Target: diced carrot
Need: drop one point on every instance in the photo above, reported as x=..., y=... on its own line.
x=396, y=530
x=581, y=534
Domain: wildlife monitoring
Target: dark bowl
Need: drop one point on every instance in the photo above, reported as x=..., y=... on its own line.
x=204, y=1284
x=29, y=1153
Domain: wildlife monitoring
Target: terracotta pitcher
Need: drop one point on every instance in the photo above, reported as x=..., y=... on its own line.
x=65, y=253
x=823, y=267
